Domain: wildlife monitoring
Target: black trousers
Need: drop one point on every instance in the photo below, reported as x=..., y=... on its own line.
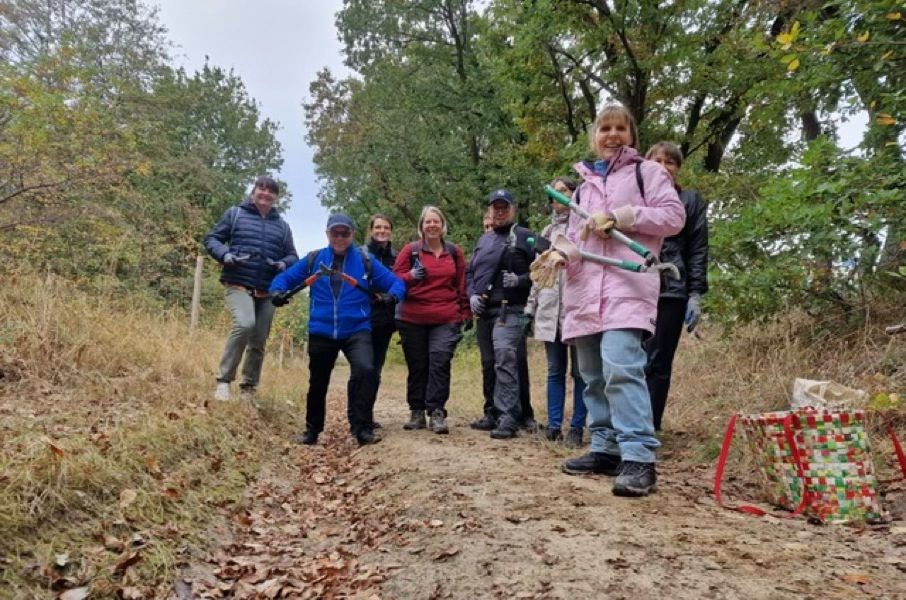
x=380, y=341
x=661, y=349
x=429, y=352
x=322, y=356
x=484, y=330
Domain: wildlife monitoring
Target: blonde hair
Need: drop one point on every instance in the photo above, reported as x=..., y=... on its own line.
x=438, y=212
x=609, y=112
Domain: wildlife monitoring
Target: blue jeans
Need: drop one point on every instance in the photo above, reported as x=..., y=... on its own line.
x=557, y=353
x=612, y=364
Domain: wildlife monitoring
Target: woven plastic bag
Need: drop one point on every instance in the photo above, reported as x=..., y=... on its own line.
x=813, y=462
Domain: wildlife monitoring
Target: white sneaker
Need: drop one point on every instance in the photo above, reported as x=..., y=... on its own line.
x=222, y=391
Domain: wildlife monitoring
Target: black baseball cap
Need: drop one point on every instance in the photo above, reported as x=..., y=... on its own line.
x=500, y=194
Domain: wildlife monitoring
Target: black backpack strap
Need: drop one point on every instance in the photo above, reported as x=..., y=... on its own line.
x=366, y=261
x=638, y=179
x=310, y=261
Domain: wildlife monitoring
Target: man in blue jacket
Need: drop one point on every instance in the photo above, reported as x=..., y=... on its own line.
x=340, y=320
x=253, y=244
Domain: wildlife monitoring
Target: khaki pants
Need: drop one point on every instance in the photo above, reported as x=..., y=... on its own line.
x=251, y=325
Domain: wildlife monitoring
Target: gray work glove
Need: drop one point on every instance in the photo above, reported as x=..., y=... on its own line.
x=229, y=259
x=277, y=264
x=693, y=311
x=418, y=273
x=476, y=305
x=510, y=279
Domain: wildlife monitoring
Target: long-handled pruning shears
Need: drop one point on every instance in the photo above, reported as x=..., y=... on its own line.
x=284, y=297
x=652, y=261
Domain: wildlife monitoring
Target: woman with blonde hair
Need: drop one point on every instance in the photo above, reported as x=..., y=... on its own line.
x=610, y=311
x=431, y=317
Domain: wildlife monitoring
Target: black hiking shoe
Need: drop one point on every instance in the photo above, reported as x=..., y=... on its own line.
x=553, y=434
x=599, y=463
x=506, y=428
x=376, y=425
x=530, y=425
x=309, y=438
x=367, y=436
x=635, y=479
x=574, y=437
x=439, y=422
x=416, y=420
x=485, y=423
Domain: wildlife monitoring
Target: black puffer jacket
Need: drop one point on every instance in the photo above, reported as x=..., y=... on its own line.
x=242, y=230
x=382, y=316
x=483, y=276
x=688, y=250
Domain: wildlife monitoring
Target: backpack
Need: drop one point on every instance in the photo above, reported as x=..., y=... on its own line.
x=366, y=260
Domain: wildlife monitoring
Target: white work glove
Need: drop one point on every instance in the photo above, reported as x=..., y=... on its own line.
x=476, y=305
x=546, y=267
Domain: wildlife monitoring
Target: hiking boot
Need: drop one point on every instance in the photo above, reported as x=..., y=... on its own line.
x=506, y=429
x=439, y=422
x=485, y=423
x=309, y=438
x=553, y=434
x=530, y=425
x=635, y=479
x=599, y=463
x=416, y=420
x=222, y=391
x=367, y=436
x=574, y=437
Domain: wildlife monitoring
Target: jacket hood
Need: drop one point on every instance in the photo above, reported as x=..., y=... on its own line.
x=625, y=155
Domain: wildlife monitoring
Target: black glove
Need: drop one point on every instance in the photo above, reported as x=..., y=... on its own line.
x=467, y=324
x=526, y=322
x=280, y=298
x=418, y=272
x=383, y=299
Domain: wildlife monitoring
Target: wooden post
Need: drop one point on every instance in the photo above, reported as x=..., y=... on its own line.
x=196, y=292
x=282, y=343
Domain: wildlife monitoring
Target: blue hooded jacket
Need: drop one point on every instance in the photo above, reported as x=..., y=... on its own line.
x=350, y=312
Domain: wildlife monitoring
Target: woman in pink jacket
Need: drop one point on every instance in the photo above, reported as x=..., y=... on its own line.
x=609, y=311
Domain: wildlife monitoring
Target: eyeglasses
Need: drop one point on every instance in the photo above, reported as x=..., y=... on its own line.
x=340, y=233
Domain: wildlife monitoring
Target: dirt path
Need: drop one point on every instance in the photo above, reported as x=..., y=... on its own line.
x=424, y=516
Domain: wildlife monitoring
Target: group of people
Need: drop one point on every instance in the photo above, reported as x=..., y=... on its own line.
x=617, y=330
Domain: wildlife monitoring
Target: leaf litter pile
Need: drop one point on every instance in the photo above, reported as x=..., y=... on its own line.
x=305, y=523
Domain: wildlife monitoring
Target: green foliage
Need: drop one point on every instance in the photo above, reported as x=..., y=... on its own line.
x=113, y=163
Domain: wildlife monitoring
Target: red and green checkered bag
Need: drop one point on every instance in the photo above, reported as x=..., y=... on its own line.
x=814, y=462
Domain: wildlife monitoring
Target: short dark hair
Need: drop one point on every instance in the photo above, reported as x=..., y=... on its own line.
x=668, y=149
x=267, y=182
x=569, y=182
x=377, y=216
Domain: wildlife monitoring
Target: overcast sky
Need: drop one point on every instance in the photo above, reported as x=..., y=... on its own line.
x=276, y=47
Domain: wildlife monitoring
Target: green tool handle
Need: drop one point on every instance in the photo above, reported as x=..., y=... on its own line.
x=633, y=245
x=606, y=260
x=562, y=199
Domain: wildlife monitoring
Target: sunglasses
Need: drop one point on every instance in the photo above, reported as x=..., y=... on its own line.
x=340, y=233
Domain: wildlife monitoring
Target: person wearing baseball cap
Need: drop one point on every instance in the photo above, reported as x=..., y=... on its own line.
x=340, y=321
x=498, y=285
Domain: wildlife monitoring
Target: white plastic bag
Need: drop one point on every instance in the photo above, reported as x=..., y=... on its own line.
x=828, y=395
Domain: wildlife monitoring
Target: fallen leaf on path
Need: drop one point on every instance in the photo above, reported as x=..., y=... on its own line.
x=417, y=550
x=446, y=553
x=436, y=523
x=131, y=593
x=319, y=478
x=127, y=561
x=127, y=497
x=113, y=543
x=860, y=578
x=517, y=518
x=79, y=593
x=153, y=465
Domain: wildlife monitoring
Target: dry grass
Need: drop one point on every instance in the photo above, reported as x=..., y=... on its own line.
x=102, y=401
